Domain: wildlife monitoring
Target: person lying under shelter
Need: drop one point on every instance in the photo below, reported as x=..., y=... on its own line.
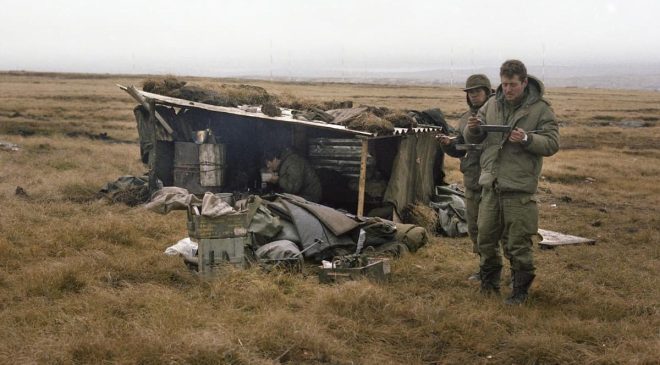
x=292, y=173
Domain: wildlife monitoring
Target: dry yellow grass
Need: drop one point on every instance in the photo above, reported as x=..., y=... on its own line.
x=85, y=282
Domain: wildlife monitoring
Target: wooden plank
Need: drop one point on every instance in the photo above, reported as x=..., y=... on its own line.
x=182, y=103
x=363, y=177
x=132, y=91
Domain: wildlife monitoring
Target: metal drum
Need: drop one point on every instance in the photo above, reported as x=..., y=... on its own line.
x=199, y=167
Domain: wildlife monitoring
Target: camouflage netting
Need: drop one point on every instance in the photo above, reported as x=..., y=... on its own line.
x=400, y=119
x=248, y=94
x=291, y=102
x=229, y=95
x=379, y=120
x=370, y=123
x=270, y=109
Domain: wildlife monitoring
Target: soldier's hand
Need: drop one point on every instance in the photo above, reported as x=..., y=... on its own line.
x=517, y=135
x=445, y=140
x=474, y=123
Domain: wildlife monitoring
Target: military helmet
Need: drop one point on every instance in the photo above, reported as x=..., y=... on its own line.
x=477, y=81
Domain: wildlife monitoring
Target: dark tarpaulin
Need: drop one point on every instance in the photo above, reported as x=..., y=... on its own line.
x=315, y=237
x=338, y=222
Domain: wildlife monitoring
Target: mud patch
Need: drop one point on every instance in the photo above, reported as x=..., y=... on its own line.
x=103, y=136
x=643, y=123
x=24, y=131
x=567, y=179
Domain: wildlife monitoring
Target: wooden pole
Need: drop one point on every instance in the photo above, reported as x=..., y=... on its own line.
x=132, y=91
x=363, y=176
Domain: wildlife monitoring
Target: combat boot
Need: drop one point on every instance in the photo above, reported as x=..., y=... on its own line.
x=521, y=282
x=490, y=281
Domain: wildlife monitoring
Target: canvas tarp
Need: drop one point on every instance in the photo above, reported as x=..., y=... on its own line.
x=412, y=172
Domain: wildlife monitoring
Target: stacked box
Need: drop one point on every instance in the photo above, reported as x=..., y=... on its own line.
x=221, y=240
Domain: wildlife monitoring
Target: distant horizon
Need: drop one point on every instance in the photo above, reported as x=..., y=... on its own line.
x=632, y=75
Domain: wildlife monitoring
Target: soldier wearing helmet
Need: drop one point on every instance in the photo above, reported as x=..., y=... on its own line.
x=477, y=91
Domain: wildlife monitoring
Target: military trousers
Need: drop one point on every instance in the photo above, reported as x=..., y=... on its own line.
x=511, y=218
x=472, y=198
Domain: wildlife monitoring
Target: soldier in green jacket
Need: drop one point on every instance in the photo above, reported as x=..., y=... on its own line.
x=511, y=162
x=477, y=90
x=293, y=174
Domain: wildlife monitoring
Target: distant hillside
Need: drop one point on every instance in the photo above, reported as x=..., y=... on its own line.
x=641, y=77
x=623, y=76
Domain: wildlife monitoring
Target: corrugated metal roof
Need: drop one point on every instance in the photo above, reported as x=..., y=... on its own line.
x=287, y=117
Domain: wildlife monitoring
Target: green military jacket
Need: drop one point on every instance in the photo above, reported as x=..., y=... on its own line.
x=470, y=166
x=516, y=166
x=297, y=176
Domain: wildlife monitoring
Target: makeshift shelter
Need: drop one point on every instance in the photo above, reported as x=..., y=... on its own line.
x=359, y=170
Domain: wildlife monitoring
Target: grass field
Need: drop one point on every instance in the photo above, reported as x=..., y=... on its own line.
x=86, y=282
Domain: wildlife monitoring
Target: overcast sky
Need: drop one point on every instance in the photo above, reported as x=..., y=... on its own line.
x=216, y=38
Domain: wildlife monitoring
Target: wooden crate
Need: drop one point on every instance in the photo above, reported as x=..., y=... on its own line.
x=213, y=253
x=225, y=226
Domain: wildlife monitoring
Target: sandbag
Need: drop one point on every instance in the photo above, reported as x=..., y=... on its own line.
x=411, y=235
x=278, y=250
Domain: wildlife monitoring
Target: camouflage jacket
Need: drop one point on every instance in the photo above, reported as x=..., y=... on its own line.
x=297, y=176
x=516, y=166
x=469, y=159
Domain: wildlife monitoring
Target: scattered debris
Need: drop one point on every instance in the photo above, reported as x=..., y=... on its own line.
x=129, y=190
x=184, y=247
x=589, y=180
x=21, y=192
x=354, y=267
x=552, y=239
x=6, y=146
x=566, y=199
x=311, y=114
